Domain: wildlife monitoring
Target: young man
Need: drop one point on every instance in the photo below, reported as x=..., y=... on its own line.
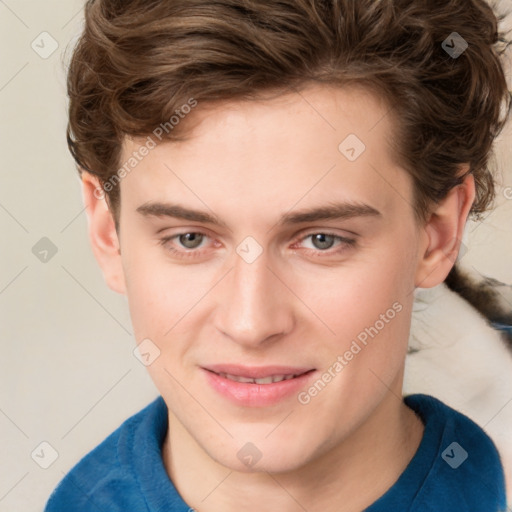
x=268, y=183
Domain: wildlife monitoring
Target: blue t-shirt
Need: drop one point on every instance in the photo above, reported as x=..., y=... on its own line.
x=456, y=468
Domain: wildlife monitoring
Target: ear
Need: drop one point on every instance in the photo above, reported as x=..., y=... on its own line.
x=442, y=234
x=102, y=233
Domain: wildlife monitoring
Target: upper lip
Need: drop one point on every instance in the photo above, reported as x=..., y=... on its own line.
x=256, y=372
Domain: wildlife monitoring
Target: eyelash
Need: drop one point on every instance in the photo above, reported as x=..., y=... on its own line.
x=347, y=243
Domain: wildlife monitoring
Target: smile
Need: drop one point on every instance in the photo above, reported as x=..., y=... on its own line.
x=265, y=380
x=257, y=386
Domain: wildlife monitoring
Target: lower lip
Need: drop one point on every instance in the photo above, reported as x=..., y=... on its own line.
x=256, y=395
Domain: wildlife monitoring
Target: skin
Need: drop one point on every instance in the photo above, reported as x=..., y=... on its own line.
x=299, y=303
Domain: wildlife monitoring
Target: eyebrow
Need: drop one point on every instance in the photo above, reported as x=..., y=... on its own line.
x=333, y=211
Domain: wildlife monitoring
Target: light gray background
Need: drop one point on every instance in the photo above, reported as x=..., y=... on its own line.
x=68, y=374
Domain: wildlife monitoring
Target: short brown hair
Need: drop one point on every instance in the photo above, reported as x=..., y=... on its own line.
x=138, y=61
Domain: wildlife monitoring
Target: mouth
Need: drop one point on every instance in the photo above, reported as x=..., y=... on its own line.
x=264, y=380
x=257, y=374
x=257, y=386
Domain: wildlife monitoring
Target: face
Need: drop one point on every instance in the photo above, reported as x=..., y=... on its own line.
x=270, y=244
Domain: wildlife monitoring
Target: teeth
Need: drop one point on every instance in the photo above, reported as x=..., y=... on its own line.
x=265, y=380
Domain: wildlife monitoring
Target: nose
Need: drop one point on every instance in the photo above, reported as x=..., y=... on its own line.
x=255, y=306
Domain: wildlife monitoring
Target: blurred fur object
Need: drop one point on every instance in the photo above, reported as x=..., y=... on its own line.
x=460, y=351
x=490, y=297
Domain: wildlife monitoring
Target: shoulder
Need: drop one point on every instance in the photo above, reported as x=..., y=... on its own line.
x=467, y=473
x=455, y=426
x=104, y=479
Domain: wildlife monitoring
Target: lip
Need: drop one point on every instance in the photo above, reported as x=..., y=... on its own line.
x=256, y=395
x=256, y=372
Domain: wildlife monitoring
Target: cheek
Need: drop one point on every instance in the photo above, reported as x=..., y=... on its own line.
x=158, y=294
x=368, y=307
x=169, y=303
x=350, y=298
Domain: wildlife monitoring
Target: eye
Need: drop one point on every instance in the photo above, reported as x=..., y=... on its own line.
x=322, y=240
x=321, y=243
x=190, y=244
x=184, y=245
x=190, y=240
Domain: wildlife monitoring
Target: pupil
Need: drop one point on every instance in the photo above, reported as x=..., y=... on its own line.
x=324, y=241
x=191, y=240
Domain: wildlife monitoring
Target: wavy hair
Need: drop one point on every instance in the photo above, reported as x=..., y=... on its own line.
x=138, y=61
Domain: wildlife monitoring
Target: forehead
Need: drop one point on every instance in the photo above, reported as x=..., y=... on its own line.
x=316, y=144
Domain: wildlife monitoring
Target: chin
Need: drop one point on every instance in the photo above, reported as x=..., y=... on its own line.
x=260, y=457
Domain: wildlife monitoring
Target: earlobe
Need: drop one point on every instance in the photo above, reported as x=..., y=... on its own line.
x=443, y=234
x=102, y=233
